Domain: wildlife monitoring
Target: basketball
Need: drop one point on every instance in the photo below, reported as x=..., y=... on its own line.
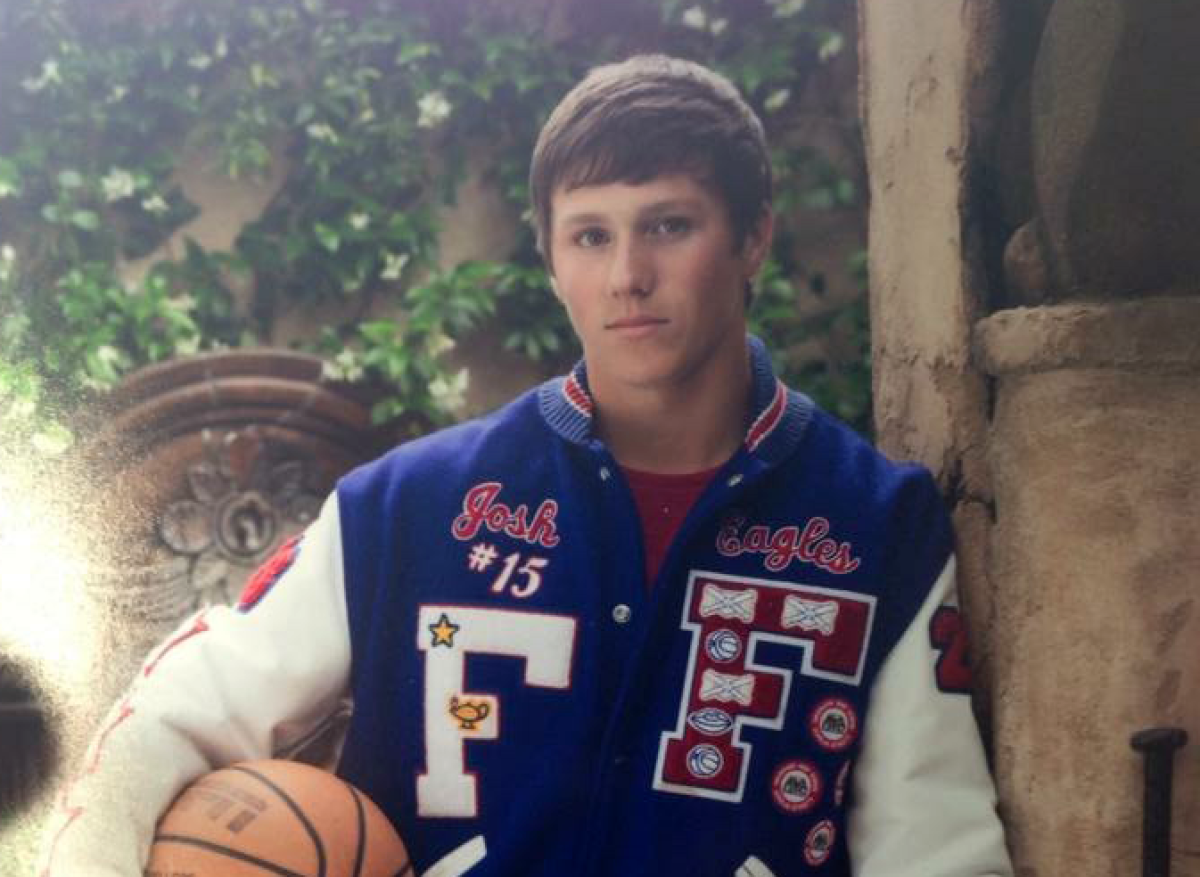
x=269, y=818
x=705, y=761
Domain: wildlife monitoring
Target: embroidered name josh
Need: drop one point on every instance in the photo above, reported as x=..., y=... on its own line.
x=481, y=508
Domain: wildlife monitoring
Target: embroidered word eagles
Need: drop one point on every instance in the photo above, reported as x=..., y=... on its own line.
x=785, y=544
x=481, y=508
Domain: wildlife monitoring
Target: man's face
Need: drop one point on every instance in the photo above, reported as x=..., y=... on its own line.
x=652, y=280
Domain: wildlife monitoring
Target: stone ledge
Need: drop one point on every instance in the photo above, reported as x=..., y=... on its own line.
x=1154, y=334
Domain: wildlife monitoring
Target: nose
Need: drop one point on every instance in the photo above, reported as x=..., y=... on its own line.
x=631, y=271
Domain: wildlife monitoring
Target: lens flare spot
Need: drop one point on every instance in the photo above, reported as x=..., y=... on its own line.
x=52, y=631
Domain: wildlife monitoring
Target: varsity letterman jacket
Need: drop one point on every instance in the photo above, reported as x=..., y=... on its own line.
x=786, y=699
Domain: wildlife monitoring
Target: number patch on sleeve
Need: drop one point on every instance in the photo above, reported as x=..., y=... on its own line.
x=948, y=634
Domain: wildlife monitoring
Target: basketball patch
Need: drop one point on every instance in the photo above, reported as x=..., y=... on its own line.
x=705, y=761
x=268, y=574
x=834, y=724
x=818, y=846
x=723, y=645
x=796, y=787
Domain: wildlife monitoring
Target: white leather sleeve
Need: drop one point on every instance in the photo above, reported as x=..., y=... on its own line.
x=226, y=686
x=924, y=802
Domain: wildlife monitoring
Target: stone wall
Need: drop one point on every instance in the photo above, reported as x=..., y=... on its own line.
x=1066, y=433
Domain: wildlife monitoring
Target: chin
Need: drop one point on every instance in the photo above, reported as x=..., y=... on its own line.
x=651, y=377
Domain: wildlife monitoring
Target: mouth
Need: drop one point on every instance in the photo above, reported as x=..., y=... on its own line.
x=636, y=322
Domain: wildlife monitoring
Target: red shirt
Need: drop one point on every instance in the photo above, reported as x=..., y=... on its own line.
x=663, y=501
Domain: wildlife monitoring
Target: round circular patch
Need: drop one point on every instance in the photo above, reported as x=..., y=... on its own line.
x=818, y=846
x=834, y=724
x=711, y=721
x=705, y=761
x=796, y=786
x=723, y=645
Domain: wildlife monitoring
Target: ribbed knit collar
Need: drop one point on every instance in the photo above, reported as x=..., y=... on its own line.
x=777, y=422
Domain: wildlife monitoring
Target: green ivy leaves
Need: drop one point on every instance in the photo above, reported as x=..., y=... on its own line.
x=366, y=117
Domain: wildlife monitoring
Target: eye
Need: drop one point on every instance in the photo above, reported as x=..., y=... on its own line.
x=589, y=238
x=671, y=226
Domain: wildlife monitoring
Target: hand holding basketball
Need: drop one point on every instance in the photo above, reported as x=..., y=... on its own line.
x=275, y=818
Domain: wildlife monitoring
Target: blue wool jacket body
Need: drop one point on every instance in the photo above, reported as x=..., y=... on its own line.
x=518, y=685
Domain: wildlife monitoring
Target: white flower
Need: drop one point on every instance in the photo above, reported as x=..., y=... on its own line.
x=694, y=17
x=22, y=409
x=221, y=49
x=108, y=355
x=359, y=221
x=188, y=346
x=49, y=75
x=393, y=264
x=321, y=131
x=830, y=46
x=718, y=26
x=155, y=204
x=183, y=303
x=787, y=8
x=117, y=184
x=776, y=99
x=200, y=61
x=7, y=188
x=434, y=109
x=439, y=343
x=117, y=94
x=343, y=367
x=8, y=257
x=450, y=394
x=51, y=442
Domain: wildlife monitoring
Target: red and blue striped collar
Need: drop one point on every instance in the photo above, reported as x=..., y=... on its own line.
x=779, y=416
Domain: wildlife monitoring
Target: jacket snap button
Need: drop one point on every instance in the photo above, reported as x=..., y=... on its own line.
x=621, y=613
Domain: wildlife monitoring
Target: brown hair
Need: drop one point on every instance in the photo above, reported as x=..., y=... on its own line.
x=649, y=115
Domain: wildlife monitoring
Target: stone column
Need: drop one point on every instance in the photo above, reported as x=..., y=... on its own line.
x=1066, y=435
x=1095, y=452
x=922, y=63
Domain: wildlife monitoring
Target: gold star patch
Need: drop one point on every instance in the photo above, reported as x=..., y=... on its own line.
x=443, y=631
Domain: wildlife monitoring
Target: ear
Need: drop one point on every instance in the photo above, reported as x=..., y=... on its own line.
x=757, y=244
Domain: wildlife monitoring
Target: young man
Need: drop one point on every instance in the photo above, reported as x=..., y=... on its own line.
x=707, y=628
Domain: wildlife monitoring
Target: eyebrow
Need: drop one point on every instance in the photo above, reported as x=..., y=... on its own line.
x=582, y=219
x=655, y=208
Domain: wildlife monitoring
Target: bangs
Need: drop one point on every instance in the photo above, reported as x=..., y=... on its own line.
x=633, y=164
x=636, y=150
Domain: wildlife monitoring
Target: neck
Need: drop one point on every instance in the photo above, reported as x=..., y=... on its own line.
x=684, y=427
